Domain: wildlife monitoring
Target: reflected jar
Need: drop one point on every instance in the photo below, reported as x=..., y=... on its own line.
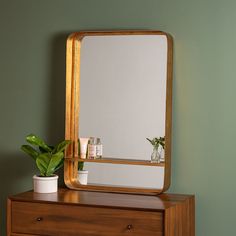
x=156, y=156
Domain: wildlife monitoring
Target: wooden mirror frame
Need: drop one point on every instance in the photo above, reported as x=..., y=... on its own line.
x=72, y=113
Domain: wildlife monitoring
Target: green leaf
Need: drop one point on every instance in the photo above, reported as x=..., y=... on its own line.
x=41, y=169
x=30, y=151
x=151, y=141
x=61, y=146
x=60, y=165
x=35, y=140
x=54, y=162
x=42, y=163
x=44, y=151
x=162, y=144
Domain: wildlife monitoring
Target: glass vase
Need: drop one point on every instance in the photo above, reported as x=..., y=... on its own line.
x=155, y=157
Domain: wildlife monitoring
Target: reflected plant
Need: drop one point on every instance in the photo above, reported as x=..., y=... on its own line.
x=156, y=153
x=80, y=165
x=156, y=142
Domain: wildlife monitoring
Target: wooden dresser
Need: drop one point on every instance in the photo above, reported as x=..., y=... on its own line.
x=83, y=213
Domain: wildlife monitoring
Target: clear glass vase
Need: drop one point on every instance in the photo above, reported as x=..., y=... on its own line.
x=155, y=157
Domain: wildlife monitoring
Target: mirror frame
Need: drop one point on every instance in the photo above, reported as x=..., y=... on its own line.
x=73, y=107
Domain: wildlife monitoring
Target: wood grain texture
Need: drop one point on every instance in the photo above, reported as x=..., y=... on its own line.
x=22, y=234
x=180, y=219
x=104, y=199
x=168, y=128
x=83, y=213
x=72, y=112
x=8, y=217
x=51, y=219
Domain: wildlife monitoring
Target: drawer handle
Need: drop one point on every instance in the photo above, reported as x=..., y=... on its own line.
x=129, y=227
x=39, y=219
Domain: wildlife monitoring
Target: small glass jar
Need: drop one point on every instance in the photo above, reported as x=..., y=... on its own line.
x=98, y=148
x=92, y=148
x=155, y=157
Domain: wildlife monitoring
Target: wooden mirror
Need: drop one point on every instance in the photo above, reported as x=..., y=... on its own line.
x=119, y=88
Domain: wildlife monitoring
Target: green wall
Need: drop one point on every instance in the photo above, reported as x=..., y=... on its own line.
x=32, y=80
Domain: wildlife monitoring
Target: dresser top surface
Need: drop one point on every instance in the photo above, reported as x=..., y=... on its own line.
x=102, y=199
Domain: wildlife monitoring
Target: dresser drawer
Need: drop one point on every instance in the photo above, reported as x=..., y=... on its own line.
x=68, y=220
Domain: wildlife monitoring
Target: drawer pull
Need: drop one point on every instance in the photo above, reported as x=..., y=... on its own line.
x=39, y=219
x=129, y=227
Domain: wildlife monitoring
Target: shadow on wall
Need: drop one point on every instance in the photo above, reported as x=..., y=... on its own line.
x=57, y=85
x=56, y=103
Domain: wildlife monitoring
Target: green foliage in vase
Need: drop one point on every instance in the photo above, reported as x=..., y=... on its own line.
x=48, y=158
x=157, y=141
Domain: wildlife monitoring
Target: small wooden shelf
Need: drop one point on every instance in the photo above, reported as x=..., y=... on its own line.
x=121, y=161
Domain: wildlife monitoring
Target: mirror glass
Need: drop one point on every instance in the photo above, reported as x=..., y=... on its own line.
x=123, y=101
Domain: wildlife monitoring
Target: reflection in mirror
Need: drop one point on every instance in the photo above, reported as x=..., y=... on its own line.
x=125, y=175
x=123, y=101
x=123, y=92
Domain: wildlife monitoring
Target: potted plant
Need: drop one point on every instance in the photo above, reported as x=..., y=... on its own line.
x=82, y=176
x=48, y=159
x=158, y=144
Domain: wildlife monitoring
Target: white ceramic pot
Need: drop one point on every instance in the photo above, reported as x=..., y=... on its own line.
x=82, y=177
x=45, y=184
